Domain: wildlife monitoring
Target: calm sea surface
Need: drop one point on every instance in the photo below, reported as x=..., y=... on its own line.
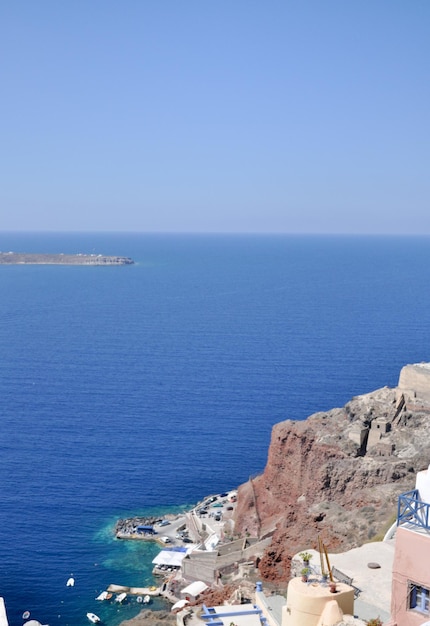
x=135, y=389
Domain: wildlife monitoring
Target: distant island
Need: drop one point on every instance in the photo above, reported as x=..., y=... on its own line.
x=21, y=258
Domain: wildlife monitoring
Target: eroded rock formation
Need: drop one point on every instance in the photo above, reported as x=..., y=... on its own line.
x=338, y=474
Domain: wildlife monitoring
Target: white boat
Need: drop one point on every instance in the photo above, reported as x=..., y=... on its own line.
x=103, y=596
x=121, y=597
x=93, y=618
x=146, y=599
x=70, y=582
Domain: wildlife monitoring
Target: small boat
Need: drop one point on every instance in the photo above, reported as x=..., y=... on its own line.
x=139, y=599
x=93, y=618
x=26, y=615
x=121, y=597
x=146, y=599
x=70, y=582
x=102, y=596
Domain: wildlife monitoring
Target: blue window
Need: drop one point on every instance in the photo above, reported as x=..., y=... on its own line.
x=419, y=598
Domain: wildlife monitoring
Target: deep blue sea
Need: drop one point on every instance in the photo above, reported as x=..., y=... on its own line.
x=135, y=389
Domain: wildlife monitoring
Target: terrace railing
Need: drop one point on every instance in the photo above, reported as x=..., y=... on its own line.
x=413, y=511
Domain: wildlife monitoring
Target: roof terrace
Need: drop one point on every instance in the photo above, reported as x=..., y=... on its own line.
x=243, y=615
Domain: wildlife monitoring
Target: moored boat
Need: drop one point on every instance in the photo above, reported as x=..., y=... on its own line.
x=103, y=596
x=93, y=618
x=121, y=597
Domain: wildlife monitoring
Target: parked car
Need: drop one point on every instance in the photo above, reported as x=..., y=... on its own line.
x=164, y=522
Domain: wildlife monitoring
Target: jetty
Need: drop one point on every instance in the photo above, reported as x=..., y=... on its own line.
x=23, y=258
x=134, y=591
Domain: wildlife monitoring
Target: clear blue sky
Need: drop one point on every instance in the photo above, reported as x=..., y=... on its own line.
x=222, y=116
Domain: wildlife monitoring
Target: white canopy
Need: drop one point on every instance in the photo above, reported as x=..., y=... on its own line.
x=195, y=588
x=179, y=605
x=171, y=558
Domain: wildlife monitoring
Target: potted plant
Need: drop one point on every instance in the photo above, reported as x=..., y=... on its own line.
x=305, y=574
x=306, y=557
x=376, y=621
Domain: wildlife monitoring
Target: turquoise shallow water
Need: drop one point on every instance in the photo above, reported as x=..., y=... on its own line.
x=140, y=388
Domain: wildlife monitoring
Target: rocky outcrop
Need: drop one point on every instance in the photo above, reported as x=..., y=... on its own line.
x=151, y=618
x=338, y=474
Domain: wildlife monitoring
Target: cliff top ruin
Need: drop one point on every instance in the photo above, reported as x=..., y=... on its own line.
x=338, y=474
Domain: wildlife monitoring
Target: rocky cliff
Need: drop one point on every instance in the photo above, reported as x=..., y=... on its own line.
x=338, y=474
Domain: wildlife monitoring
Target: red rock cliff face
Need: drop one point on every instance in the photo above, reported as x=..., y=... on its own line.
x=336, y=474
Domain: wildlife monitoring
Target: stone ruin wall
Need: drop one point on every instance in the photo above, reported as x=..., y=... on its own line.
x=412, y=393
x=414, y=386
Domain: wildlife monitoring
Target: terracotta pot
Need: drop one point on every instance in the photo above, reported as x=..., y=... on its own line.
x=332, y=587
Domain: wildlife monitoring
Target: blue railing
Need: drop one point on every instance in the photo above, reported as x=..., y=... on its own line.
x=215, y=618
x=413, y=511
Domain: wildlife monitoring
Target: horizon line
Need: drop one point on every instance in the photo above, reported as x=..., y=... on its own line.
x=210, y=233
